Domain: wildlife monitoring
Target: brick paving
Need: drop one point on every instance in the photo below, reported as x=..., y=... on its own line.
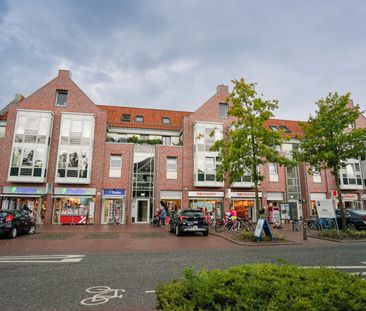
x=125, y=238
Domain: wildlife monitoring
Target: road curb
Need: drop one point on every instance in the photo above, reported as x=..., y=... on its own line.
x=335, y=240
x=255, y=244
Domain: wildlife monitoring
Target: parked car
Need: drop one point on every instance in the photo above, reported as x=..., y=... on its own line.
x=189, y=220
x=14, y=222
x=355, y=219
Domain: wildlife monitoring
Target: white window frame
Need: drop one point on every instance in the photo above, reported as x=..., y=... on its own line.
x=171, y=168
x=273, y=171
x=75, y=142
x=223, y=114
x=317, y=178
x=115, y=171
x=57, y=95
x=166, y=140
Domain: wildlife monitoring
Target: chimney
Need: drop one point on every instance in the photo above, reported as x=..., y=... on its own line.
x=222, y=89
x=62, y=73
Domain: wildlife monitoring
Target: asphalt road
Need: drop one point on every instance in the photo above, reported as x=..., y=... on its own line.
x=62, y=285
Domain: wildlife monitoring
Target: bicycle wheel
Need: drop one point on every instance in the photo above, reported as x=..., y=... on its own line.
x=219, y=226
x=313, y=227
x=237, y=228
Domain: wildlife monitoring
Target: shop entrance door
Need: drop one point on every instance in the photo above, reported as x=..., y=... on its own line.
x=143, y=211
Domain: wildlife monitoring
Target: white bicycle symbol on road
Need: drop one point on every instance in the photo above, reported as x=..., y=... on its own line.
x=102, y=295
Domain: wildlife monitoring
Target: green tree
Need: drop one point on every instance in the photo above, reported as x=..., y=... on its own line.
x=329, y=142
x=248, y=145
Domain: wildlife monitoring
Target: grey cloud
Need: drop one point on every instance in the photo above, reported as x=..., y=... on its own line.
x=172, y=54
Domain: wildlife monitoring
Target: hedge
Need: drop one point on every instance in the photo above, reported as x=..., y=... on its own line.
x=263, y=287
x=343, y=234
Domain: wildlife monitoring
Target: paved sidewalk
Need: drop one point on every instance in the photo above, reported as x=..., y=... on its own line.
x=290, y=236
x=134, y=237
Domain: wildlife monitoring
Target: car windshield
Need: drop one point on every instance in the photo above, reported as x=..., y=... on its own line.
x=192, y=213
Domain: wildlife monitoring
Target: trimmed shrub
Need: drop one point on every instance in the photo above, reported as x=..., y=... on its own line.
x=249, y=236
x=343, y=234
x=263, y=287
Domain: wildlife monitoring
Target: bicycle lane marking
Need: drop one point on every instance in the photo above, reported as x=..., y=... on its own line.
x=102, y=295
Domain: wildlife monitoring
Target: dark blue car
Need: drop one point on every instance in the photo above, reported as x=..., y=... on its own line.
x=355, y=219
x=189, y=220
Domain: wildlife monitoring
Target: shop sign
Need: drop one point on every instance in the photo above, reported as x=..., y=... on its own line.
x=232, y=194
x=325, y=209
x=24, y=190
x=346, y=196
x=114, y=192
x=172, y=195
x=205, y=194
x=75, y=191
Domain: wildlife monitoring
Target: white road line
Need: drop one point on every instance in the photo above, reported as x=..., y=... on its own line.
x=335, y=267
x=41, y=256
x=42, y=259
x=150, y=291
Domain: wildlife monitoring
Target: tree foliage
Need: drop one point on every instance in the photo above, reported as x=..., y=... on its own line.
x=328, y=141
x=248, y=145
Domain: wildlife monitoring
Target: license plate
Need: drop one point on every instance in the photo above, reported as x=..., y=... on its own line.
x=195, y=227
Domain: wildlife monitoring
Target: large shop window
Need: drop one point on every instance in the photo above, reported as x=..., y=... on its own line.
x=73, y=211
x=115, y=166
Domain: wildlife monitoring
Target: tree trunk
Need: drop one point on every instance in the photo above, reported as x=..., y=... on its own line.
x=339, y=195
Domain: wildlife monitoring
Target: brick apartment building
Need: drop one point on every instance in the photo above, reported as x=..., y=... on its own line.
x=72, y=161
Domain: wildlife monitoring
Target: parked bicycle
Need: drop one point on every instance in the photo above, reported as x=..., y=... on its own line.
x=234, y=226
x=313, y=226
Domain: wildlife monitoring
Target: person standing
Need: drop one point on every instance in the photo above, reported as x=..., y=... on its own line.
x=163, y=213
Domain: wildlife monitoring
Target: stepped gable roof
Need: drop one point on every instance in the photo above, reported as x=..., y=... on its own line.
x=293, y=126
x=152, y=118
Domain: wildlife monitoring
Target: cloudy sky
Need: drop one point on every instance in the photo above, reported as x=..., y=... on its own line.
x=172, y=54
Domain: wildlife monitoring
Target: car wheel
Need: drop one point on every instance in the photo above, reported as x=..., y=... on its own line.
x=13, y=233
x=177, y=231
x=205, y=233
x=351, y=226
x=32, y=229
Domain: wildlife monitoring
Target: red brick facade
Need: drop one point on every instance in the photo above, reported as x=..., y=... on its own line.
x=78, y=102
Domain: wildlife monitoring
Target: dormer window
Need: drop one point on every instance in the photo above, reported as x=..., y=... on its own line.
x=273, y=128
x=285, y=129
x=166, y=120
x=139, y=119
x=126, y=117
x=61, y=98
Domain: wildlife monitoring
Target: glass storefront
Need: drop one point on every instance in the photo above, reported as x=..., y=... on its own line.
x=112, y=211
x=73, y=211
x=208, y=205
x=36, y=205
x=143, y=184
x=244, y=207
x=18, y=197
x=173, y=205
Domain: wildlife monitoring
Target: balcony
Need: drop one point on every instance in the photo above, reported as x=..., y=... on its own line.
x=350, y=182
x=207, y=180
